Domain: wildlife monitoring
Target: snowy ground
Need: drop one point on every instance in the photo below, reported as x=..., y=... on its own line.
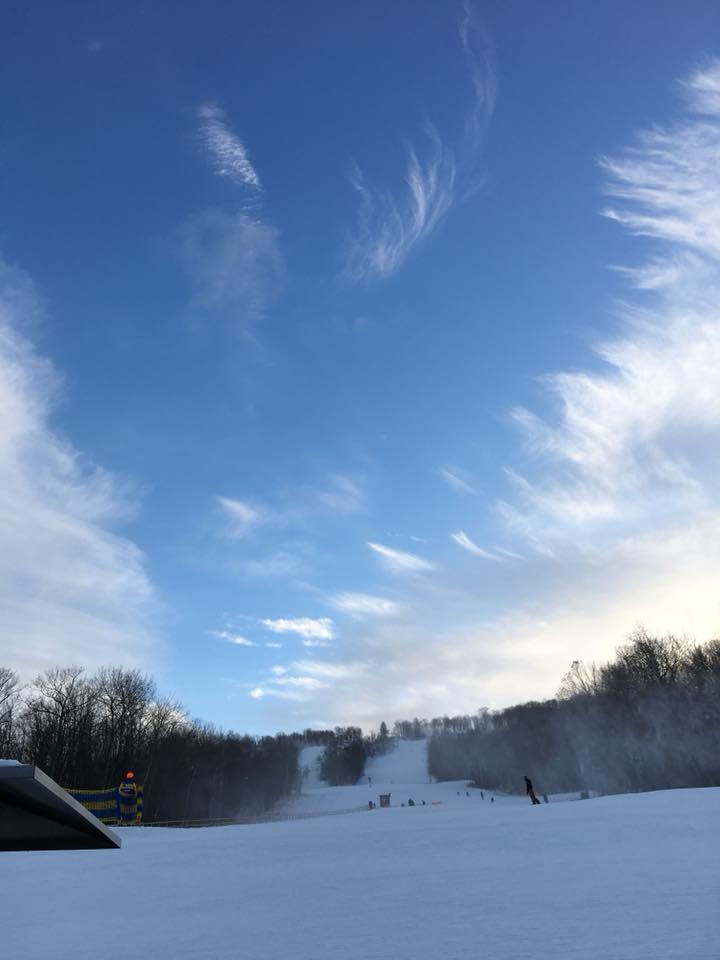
x=613, y=878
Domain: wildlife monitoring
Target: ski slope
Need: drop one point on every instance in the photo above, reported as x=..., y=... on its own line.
x=309, y=763
x=402, y=772
x=616, y=878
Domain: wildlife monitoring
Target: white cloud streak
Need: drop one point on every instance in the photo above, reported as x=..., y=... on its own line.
x=227, y=152
x=454, y=480
x=389, y=227
x=354, y=670
x=631, y=439
x=479, y=62
x=301, y=683
x=320, y=629
x=464, y=541
x=397, y=561
x=362, y=605
x=241, y=517
x=234, y=638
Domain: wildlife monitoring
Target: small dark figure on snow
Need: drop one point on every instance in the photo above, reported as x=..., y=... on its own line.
x=529, y=790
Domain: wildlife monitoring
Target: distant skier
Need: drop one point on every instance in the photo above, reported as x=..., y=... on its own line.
x=529, y=790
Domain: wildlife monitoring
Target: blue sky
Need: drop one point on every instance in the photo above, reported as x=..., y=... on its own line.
x=357, y=361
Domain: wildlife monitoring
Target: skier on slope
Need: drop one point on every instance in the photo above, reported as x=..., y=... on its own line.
x=530, y=791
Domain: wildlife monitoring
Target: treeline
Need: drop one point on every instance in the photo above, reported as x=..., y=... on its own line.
x=347, y=752
x=87, y=731
x=648, y=720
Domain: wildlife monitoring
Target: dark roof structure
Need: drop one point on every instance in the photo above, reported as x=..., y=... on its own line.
x=37, y=814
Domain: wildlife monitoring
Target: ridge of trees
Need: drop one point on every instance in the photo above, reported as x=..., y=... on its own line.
x=647, y=720
x=87, y=731
x=347, y=752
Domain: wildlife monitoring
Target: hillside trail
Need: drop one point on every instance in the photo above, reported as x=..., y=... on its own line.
x=402, y=772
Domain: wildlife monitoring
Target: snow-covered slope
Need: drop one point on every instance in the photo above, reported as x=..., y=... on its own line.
x=403, y=773
x=405, y=762
x=309, y=763
x=400, y=772
x=617, y=878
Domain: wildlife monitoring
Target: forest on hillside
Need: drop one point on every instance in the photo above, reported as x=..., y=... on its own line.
x=87, y=731
x=647, y=720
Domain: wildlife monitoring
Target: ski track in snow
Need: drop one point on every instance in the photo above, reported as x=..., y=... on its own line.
x=614, y=878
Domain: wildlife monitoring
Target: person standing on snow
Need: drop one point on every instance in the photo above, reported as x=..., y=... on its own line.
x=128, y=799
x=530, y=791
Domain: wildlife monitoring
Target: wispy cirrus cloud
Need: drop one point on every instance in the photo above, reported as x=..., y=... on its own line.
x=454, y=479
x=295, y=688
x=240, y=517
x=388, y=228
x=293, y=506
x=314, y=631
x=616, y=505
x=464, y=541
x=71, y=588
x=477, y=49
x=234, y=638
x=304, y=680
x=341, y=670
x=342, y=494
x=300, y=683
x=630, y=442
x=391, y=224
x=361, y=605
x=226, y=151
x=233, y=262
x=398, y=561
x=232, y=258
